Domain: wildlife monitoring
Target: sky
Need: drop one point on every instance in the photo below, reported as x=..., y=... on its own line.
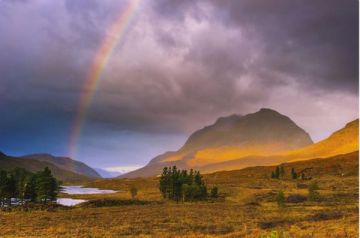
x=178, y=66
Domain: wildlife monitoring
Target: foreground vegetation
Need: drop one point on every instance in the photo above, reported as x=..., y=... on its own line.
x=248, y=207
x=25, y=186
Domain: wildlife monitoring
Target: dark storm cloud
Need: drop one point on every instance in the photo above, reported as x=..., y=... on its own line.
x=314, y=40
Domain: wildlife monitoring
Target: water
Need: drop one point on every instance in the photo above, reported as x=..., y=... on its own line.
x=79, y=190
x=69, y=201
x=82, y=190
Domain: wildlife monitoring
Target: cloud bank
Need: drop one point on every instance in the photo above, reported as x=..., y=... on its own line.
x=180, y=65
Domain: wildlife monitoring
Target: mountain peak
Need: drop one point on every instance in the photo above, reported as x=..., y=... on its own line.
x=268, y=110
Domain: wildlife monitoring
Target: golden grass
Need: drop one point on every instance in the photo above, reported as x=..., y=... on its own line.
x=249, y=210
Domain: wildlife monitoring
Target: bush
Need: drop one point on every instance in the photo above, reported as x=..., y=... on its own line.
x=133, y=192
x=214, y=192
x=313, y=195
x=280, y=199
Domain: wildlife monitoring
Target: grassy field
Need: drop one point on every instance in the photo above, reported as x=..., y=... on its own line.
x=248, y=208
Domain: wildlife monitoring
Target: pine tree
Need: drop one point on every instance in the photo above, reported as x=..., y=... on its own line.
x=179, y=185
x=4, y=187
x=163, y=182
x=281, y=172
x=30, y=188
x=47, y=186
x=277, y=172
x=293, y=174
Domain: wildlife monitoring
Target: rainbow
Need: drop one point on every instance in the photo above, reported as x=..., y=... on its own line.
x=114, y=34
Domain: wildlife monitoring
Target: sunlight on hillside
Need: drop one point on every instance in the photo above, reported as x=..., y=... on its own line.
x=343, y=141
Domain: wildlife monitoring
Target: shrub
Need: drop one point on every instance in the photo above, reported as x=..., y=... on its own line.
x=313, y=195
x=214, y=192
x=133, y=192
x=280, y=199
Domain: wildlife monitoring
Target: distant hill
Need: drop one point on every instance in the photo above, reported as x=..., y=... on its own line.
x=342, y=141
x=339, y=165
x=260, y=134
x=32, y=165
x=107, y=174
x=65, y=163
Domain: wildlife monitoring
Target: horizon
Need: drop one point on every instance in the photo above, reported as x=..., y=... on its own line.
x=115, y=84
x=119, y=170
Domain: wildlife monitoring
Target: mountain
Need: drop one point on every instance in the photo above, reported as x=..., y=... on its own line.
x=9, y=162
x=65, y=164
x=260, y=134
x=107, y=174
x=343, y=141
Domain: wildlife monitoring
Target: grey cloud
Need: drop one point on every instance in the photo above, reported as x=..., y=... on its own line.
x=232, y=57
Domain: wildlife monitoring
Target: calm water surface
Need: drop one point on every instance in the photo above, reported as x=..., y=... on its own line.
x=79, y=190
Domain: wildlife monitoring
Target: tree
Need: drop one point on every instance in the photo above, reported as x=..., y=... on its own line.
x=280, y=199
x=4, y=188
x=185, y=191
x=19, y=176
x=24, y=185
x=133, y=191
x=214, y=192
x=164, y=182
x=293, y=174
x=30, y=188
x=182, y=185
x=281, y=171
x=313, y=195
x=47, y=186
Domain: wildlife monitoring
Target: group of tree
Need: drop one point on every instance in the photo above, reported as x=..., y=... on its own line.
x=177, y=185
x=40, y=187
x=278, y=172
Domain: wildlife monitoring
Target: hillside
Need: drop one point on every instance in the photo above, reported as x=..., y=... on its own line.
x=264, y=133
x=343, y=141
x=9, y=162
x=339, y=165
x=65, y=163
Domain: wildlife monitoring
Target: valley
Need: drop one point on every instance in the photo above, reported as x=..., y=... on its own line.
x=246, y=208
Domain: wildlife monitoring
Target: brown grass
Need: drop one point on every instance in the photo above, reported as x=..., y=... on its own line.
x=249, y=210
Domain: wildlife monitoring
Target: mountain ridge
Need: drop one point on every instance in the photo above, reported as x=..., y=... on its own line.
x=10, y=162
x=65, y=163
x=263, y=133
